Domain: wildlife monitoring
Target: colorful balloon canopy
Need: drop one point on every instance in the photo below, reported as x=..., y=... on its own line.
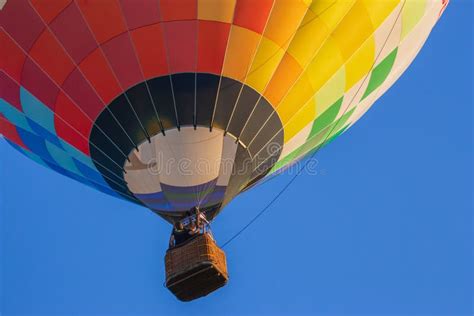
x=174, y=104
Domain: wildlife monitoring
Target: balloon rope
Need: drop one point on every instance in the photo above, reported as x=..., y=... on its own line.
x=345, y=110
x=140, y=66
x=249, y=66
x=280, y=193
x=275, y=198
x=211, y=123
x=113, y=72
x=26, y=53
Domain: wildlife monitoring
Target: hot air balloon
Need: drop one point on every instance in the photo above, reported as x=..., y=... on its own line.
x=182, y=104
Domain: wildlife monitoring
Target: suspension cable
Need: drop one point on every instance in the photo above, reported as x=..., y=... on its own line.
x=275, y=198
x=329, y=134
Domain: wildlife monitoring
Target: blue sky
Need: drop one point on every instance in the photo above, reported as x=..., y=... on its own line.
x=384, y=228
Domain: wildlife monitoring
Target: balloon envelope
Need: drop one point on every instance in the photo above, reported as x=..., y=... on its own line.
x=174, y=104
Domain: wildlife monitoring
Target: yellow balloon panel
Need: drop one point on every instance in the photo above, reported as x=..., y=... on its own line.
x=360, y=63
x=265, y=63
x=327, y=62
x=378, y=10
x=301, y=92
x=353, y=30
x=330, y=12
x=301, y=117
x=308, y=40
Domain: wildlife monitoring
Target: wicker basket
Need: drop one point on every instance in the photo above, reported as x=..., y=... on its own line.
x=196, y=268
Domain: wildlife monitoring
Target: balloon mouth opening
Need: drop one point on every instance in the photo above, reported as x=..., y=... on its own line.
x=173, y=147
